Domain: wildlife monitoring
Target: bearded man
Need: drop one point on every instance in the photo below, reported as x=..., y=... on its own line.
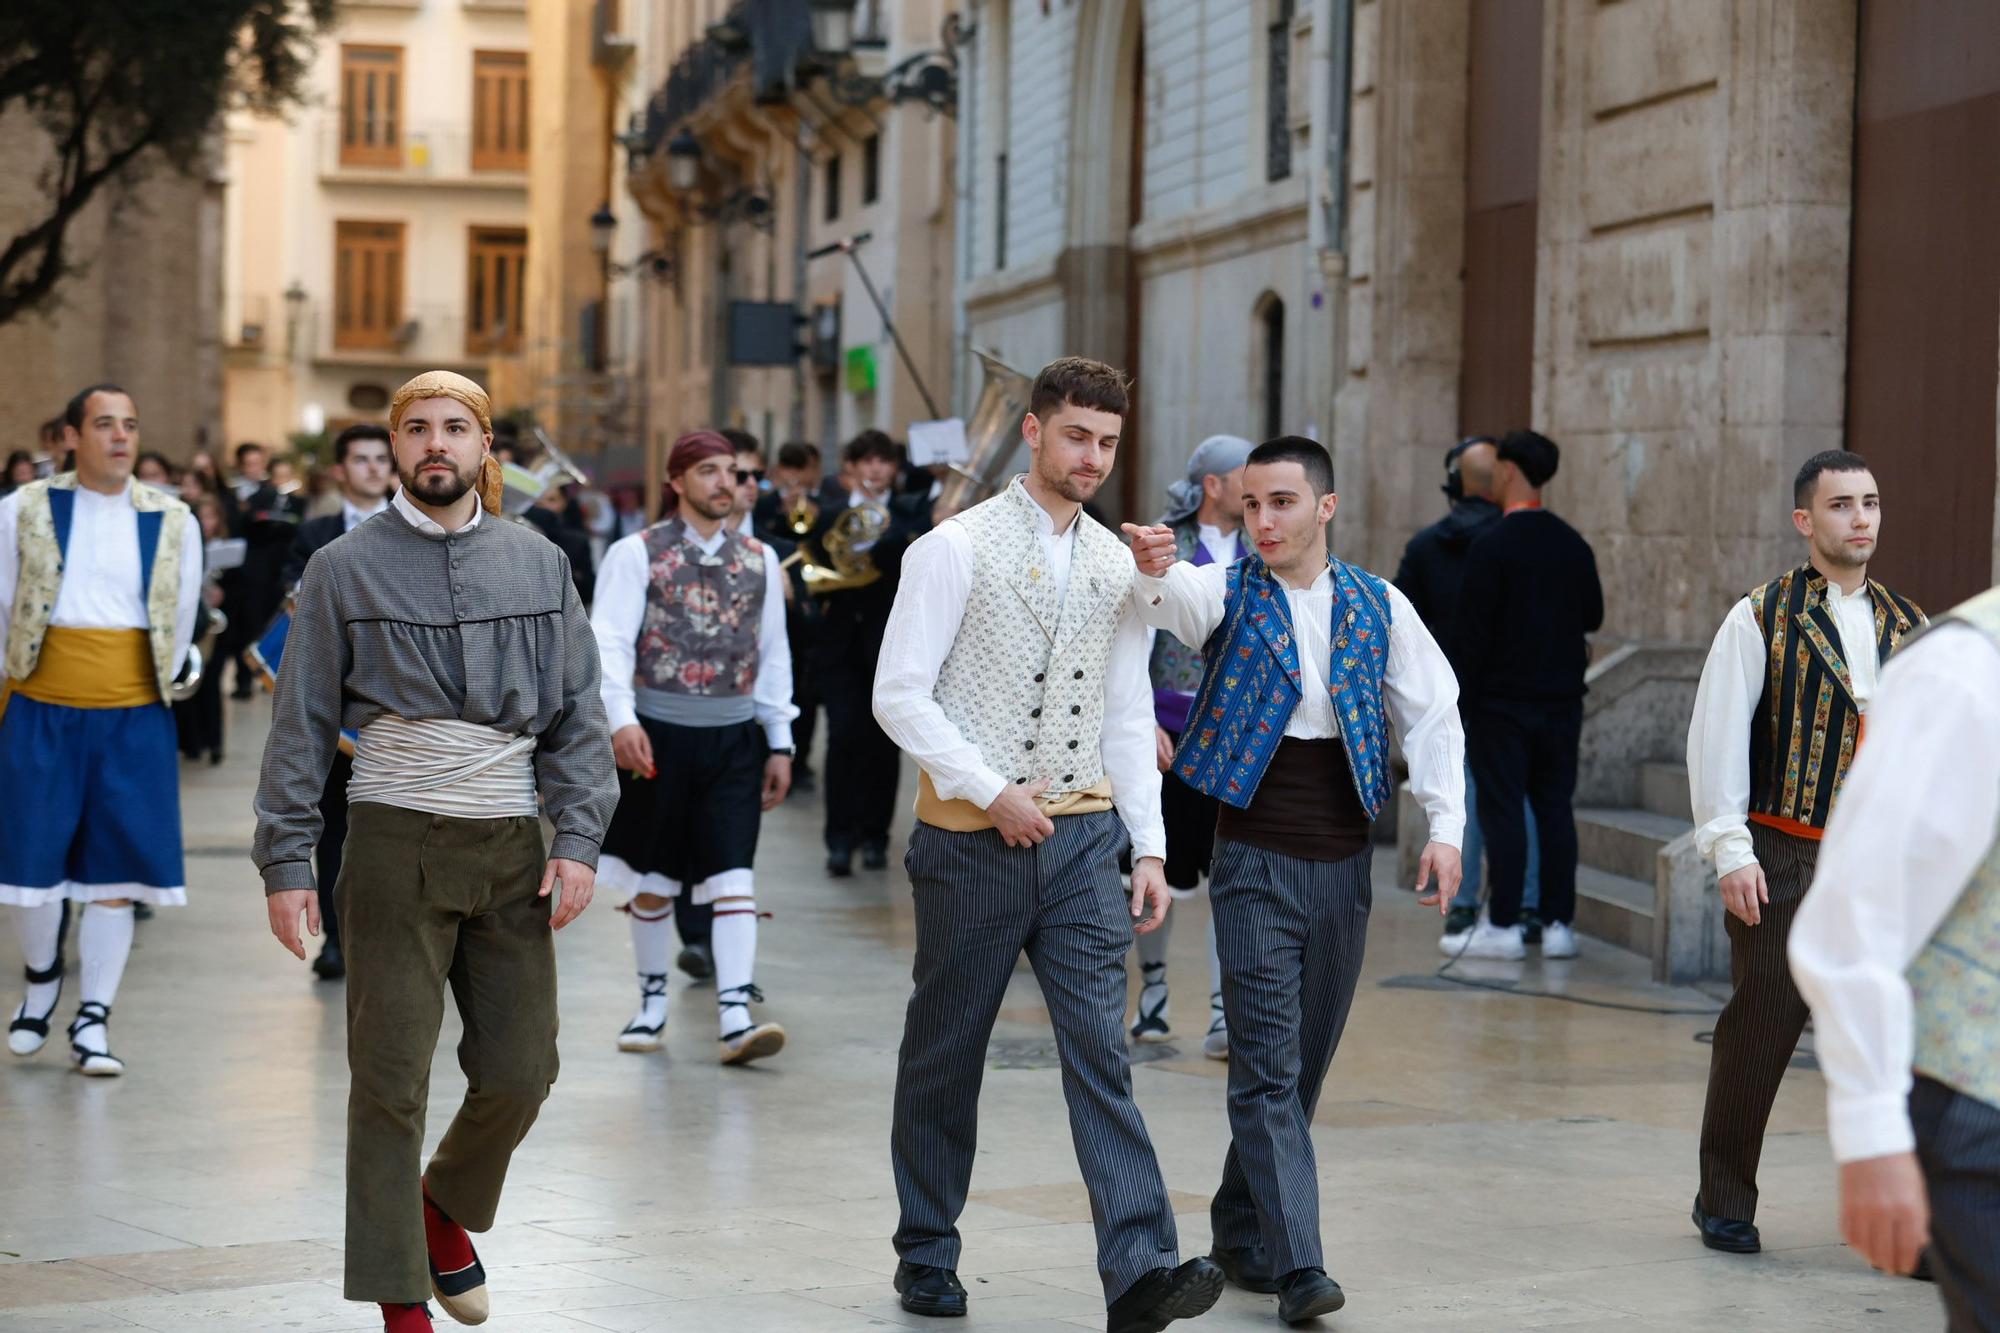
x=455, y=646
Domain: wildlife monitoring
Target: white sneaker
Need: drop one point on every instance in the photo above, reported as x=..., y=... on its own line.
x=1491, y=941
x=1452, y=942
x=1558, y=940
x=1215, y=1045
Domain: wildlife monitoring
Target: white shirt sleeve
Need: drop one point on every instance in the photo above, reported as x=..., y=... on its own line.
x=1127, y=746
x=617, y=613
x=10, y=562
x=773, y=690
x=1718, y=748
x=923, y=624
x=1422, y=696
x=1186, y=601
x=188, y=600
x=1917, y=814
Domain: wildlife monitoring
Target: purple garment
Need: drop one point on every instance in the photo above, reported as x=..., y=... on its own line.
x=1171, y=706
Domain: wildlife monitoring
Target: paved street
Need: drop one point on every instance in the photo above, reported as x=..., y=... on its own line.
x=1488, y=1161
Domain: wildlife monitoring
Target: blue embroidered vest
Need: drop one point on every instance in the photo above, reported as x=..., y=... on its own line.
x=1252, y=684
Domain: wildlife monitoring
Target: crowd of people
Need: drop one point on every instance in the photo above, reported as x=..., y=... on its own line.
x=1099, y=727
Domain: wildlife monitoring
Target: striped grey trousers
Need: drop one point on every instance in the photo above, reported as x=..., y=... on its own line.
x=1290, y=933
x=979, y=904
x=1756, y=1032
x=1958, y=1142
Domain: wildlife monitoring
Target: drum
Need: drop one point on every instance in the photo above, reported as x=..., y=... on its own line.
x=269, y=650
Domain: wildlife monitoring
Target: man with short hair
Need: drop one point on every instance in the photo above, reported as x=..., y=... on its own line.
x=1518, y=642
x=365, y=469
x=267, y=520
x=456, y=649
x=1014, y=672
x=1310, y=660
x=794, y=478
x=749, y=472
x=1205, y=512
x=1777, y=718
x=100, y=578
x=697, y=688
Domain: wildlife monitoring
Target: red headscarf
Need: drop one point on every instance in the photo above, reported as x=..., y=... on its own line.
x=688, y=450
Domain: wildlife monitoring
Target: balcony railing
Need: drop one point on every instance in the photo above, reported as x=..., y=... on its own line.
x=426, y=154
x=779, y=47
x=422, y=335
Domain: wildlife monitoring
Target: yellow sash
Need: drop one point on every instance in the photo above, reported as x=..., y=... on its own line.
x=962, y=816
x=91, y=668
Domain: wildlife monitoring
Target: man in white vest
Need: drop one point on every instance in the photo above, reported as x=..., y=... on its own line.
x=1013, y=669
x=1897, y=951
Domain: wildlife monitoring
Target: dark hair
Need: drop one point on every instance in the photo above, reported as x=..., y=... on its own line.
x=871, y=444
x=1308, y=454
x=742, y=441
x=51, y=429
x=14, y=460
x=1536, y=455
x=156, y=457
x=366, y=430
x=1806, y=484
x=1077, y=381
x=798, y=454
x=73, y=414
x=249, y=446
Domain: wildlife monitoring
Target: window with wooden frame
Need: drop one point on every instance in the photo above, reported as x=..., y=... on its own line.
x=371, y=106
x=499, y=110
x=496, y=263
x=367, y=284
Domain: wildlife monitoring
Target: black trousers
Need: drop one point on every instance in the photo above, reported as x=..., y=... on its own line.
x=1958, y=1143
x=1526, y=751
x=326, y=857
x=862, y=763
x=802, y=633
x=1756, y=1032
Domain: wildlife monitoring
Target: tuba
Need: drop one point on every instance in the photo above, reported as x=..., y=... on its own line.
x=992, y=436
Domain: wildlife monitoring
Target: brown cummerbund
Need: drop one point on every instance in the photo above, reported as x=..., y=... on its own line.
x=1305, y=805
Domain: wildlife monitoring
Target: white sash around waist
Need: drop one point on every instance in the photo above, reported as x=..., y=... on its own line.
x=443, y=766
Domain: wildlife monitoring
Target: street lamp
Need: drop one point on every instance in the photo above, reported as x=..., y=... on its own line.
x=683, y=163
x=602, y=224
x=832, y=26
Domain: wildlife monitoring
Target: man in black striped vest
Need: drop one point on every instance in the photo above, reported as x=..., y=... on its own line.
x=1776, y=720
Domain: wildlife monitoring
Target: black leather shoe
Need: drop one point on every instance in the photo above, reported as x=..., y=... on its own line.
x=930, y=1291
x=875, y=856
x=331, y=965
x=1246, y=1266
x=840, y=864
x=696, y=960
x=1726, y=1233
x=1308, y=1294
x=1922, y=1272
x=1164, y=1295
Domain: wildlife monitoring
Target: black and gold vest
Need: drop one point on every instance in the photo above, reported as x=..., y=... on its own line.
x=1807, y=723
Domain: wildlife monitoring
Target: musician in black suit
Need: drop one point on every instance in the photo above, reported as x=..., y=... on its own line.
x=268, y=522
x=365, y=470
x=862, y=763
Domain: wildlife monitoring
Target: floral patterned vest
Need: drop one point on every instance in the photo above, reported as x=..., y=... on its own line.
x=1176, y=668
x=43, y=526
x=703, y=612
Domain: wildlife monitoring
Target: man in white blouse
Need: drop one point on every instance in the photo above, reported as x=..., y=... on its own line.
x=1897, y=949
x=1777, y=718
x=1013, y=670
x=1309, y=661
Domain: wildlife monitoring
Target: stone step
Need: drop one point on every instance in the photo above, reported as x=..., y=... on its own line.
x=1615, y=909
x=1624, y=841
x=1663, y=789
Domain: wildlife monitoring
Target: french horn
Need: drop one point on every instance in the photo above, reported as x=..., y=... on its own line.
x=186, y=685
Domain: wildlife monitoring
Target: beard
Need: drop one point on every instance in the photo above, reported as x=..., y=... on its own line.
x=434, y=489
x=712, y=507
x=1839, y=554
x=1074, y=489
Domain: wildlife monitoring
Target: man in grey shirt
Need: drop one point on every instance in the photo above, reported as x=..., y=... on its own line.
x=454, y=645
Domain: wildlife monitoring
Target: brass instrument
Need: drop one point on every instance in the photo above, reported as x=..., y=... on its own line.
x=841, y=561
x=804, y=514
x=522, y=486
x=188, y=682
x=992, y=436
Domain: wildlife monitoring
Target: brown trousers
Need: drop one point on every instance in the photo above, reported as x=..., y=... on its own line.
x=1756, y=1032
x=426, y=899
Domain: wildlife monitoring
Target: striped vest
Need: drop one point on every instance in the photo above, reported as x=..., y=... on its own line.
x=1807, y=723
x=1252, y=684
x=1956, y=979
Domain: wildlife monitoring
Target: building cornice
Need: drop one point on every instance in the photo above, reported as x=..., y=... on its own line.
x=1258, y=220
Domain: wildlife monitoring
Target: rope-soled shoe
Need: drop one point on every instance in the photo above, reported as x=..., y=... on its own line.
x=462, y=1290
x=96, y=1064
x=27, y=1034
x=752, y=1041
x=640, y=1035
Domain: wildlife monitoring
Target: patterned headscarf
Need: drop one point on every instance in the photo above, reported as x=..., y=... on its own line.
x=447, y=384
x=688, y=450
x=1216, y=456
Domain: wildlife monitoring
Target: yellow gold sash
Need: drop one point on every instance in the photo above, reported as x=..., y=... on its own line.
x=92, y=668
x=962, y=816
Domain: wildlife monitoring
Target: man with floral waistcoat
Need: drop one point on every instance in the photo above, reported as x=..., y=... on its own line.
x=1310, y=660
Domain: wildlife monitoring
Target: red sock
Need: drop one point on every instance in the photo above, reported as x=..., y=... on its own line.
x=449, y=1246
x=405, y=1319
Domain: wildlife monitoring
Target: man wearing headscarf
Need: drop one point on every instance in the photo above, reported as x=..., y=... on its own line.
x=457, y=649
x=690, y=625
x=1205, y=510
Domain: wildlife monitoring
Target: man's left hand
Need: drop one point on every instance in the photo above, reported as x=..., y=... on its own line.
x=1149, y=895
x=1885, y=1212
x=777, y=779
x=578, y=882
x=1441, y=859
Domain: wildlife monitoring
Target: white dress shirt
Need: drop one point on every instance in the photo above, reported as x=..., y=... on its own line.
x=1725, y=704
x=618, y=613
x=352, y=516
x=1417, y=685
x=930, y=606
x=100, y=581
x=1221, y=546
x=423, y=522
x=1918, y=813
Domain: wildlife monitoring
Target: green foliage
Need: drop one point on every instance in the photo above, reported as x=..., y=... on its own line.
x=310, y=446
x=119, y=86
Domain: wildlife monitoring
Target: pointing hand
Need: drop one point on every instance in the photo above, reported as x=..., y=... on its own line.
x=1152, y=548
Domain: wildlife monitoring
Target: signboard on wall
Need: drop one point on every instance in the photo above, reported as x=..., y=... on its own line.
x=861, y=369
